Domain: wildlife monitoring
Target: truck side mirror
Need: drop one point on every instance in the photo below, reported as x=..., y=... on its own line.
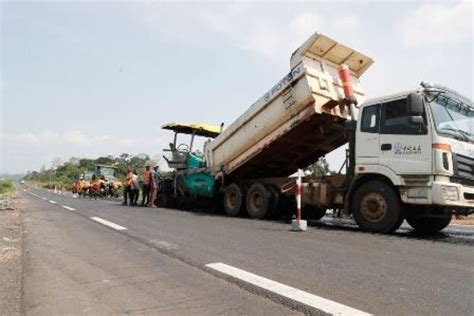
x=415, y=104
x=417, y=120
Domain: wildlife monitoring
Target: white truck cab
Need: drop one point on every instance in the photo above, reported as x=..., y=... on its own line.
x=421, y=144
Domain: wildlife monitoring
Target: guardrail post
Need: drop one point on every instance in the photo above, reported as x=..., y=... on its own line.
x=298, y=224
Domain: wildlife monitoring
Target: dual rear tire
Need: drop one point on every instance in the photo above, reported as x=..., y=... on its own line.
x=233, y=200
x=260, y=200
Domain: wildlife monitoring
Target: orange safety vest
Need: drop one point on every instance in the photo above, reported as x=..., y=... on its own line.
x=128, y=179
x=147, y=177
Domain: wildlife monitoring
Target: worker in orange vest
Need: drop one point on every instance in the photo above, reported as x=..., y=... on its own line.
x=146, y=186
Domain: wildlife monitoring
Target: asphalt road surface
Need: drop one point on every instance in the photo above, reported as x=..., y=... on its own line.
x=98, y=257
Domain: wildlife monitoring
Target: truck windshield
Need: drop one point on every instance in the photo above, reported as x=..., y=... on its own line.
x=453, y=118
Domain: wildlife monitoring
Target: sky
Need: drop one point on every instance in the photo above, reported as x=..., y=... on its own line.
x=89, y=78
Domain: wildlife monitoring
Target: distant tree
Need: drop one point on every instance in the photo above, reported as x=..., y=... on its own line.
x=124, y=157
x=105, y=160
x=142, y=156
x=64, y=174
x=56, y=163
x=138, y=162
x=87, y=164
x=74, y=160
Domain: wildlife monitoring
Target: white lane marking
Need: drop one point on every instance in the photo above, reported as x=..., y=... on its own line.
x=53, y=202
x=107, y=223
x=305, y=298
x=69, y=208
x=44, y=198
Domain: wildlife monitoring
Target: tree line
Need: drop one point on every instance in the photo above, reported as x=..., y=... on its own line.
x=64, y=174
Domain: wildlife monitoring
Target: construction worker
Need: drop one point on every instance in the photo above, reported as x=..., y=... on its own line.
x=127, y=186
x=134, y=188
x=154, y=186
x=79, y=186
x=146, y=186
x=83, y=186
x=95, y=187
x=103, y=186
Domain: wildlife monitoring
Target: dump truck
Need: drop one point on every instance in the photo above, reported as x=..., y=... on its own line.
x=410, y=155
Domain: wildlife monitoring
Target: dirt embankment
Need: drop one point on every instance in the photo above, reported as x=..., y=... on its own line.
x=10, y=255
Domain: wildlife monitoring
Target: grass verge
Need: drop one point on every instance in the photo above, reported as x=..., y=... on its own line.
x=7, y=186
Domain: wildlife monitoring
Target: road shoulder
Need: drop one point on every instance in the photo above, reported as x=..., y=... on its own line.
x=11, y=248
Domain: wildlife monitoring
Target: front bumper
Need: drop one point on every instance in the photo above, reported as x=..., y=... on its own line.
x=441, y=193
x=452, y=194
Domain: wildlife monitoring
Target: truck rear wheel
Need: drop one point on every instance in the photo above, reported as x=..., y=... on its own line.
x=232, y=200
x=275, y=203
x=429, y=225
x=258, y=201
x=376, y=208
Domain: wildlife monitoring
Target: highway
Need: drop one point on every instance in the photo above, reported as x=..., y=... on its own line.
x=98, y=257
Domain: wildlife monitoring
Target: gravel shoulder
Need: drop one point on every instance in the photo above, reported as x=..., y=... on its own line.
x=10, y=254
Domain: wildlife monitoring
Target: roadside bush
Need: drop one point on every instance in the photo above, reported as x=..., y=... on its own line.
x=6, y=186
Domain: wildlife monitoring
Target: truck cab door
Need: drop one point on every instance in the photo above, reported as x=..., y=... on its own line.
x=368, y=139
x=405, y=145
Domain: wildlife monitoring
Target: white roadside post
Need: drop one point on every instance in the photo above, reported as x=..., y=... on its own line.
x=298, y=224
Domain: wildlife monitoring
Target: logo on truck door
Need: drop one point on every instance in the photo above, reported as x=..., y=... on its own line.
x=401, y=149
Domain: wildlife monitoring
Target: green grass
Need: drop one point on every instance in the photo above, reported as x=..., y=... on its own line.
x=7, y=186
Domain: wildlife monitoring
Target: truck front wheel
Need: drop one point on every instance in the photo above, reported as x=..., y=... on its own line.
x=376, y=208
x=429, y=225
x=232, y=200
x=258, y=201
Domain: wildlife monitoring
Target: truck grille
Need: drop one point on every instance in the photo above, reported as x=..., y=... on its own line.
x=463, y=169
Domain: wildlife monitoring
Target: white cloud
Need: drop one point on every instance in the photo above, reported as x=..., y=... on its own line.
x=305, y=24
x=436, y=23
x=245, y=26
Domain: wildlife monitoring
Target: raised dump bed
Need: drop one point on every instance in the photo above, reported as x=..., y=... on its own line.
x=298, y=120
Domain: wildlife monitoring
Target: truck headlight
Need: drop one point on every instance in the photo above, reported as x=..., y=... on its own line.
x=445, y=161
x=449, y=193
